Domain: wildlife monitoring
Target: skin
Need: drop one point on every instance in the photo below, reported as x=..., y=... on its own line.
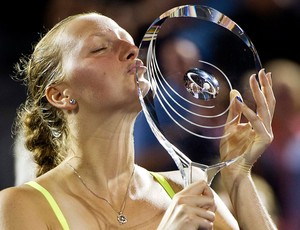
x=99, y=62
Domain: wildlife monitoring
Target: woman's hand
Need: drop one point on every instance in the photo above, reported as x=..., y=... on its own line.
x=192, y=208
x=249, y=139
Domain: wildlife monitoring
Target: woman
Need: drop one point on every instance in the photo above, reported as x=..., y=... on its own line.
x=78, y=122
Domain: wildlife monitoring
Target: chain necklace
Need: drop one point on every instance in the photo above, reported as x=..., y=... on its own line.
x=122, y=219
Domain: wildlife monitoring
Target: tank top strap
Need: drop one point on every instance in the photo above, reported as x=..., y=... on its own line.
x=164, y=183
x=52, y=203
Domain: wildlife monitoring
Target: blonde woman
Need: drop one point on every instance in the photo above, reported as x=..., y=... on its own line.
x=78, y=123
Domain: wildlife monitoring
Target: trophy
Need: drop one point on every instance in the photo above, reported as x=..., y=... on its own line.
x=195, y=56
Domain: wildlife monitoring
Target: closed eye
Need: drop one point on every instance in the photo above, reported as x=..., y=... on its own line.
x=99, y=50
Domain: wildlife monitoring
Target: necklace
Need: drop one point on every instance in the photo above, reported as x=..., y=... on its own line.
x=122, y=219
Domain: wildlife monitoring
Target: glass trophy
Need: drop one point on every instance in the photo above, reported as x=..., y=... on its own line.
x=194, y=56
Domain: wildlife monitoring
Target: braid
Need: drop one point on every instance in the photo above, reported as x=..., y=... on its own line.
x=44, y=126
x=44, y=137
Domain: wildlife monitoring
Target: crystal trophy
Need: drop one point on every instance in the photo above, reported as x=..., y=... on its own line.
x=194, y=56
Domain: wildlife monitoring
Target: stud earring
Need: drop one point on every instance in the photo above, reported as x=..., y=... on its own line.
x=72, y=101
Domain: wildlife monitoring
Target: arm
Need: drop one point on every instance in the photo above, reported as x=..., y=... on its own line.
x=18, y=210
x=250, y=139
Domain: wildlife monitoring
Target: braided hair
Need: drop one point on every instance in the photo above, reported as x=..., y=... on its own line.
x=43, y=126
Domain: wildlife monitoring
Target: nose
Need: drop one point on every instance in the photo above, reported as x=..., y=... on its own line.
x=128, y=51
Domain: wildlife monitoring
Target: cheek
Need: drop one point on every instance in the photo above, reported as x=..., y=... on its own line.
x=88, y=83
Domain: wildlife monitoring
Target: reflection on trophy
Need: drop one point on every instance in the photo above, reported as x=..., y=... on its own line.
x=195, y=56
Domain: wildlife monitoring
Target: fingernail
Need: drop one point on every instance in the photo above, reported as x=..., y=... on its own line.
x=239, y=98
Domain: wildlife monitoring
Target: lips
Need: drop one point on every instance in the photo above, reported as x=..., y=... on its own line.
x=138, y=66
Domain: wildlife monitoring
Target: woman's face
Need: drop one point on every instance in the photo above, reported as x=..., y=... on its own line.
x=99, y=62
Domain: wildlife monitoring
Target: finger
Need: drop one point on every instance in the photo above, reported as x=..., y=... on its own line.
x=204, y=214
x=266, y=86
x=198, y=188
x=258, y=96
x=198, y=194
x=201, y=218
x=256, y=123
x=239, y=142
x=262, y=107
x=234, y=114
x=197, y=202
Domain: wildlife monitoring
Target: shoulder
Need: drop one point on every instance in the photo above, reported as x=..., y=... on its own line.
x=18, y=209
x=15, y=196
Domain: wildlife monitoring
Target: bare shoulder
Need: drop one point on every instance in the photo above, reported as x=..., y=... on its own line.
x=18, y=209
x=15, y=197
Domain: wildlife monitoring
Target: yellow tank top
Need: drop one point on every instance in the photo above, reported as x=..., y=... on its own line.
x=160, y=179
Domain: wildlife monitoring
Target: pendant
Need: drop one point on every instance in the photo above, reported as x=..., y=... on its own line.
x=121, y=218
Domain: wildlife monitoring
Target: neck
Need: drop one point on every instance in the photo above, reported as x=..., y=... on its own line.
x=104, y=162
x=102, y=151
x=104, y=144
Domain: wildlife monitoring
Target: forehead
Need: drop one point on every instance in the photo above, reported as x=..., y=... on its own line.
x=95, y=24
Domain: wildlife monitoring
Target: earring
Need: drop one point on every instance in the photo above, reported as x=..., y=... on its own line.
x=72, y=101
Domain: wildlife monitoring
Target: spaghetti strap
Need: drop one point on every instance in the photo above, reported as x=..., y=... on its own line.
x=164, y=183
x=52, y=203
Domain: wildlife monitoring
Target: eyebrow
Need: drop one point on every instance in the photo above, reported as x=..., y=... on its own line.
x=120, y=34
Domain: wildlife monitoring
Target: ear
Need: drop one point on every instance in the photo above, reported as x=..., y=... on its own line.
x=59, y=97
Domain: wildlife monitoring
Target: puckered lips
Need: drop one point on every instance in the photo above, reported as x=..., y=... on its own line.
x=137, y=66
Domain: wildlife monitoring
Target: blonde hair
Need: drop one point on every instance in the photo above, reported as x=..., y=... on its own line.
x=44, y=126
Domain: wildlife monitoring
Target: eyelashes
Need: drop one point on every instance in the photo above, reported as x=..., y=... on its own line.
x=98, y=50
